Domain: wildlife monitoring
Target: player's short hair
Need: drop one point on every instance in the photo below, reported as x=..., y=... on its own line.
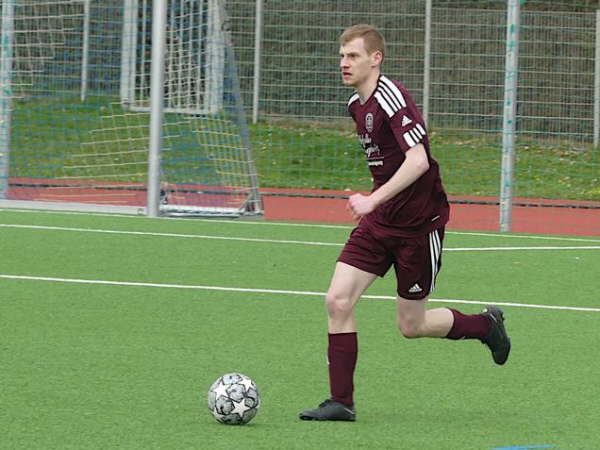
x=374, y=40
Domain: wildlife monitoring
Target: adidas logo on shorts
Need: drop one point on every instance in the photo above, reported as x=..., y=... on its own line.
x=415, y=289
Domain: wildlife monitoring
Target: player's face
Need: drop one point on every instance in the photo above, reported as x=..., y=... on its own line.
x=356, y=64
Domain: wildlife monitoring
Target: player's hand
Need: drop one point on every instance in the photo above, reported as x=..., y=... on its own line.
x=360, y=205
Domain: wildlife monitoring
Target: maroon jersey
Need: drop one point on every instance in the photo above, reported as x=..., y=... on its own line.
x=388, y=124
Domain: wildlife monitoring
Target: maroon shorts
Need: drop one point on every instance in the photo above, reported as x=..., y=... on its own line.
x=417, y=260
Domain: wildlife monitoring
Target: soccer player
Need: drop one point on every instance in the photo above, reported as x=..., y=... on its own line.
x=400, y=223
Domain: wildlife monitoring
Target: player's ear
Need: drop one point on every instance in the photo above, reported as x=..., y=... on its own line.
x=376, y=58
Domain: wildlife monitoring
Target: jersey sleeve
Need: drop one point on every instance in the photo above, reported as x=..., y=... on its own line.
x=407, y=128
x=404, y=118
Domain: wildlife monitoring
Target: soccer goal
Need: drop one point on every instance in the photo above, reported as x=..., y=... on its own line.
x=76, y=109
x=194, y=58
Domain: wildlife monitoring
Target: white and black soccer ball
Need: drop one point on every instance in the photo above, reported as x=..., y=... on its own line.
x=233, y=399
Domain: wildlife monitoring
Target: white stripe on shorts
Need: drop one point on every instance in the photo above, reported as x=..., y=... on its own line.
x=435, y=251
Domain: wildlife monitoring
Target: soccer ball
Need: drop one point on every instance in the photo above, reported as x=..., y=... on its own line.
x=233, y=399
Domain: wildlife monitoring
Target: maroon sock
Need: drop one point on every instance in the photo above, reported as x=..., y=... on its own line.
x=342, y=353
x=475, y=326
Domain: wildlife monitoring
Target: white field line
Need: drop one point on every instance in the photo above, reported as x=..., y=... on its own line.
x=292, y=224
x=518, y=236
x=273, y=241
x=485, y=249
x=172, y=235
x=274, y=291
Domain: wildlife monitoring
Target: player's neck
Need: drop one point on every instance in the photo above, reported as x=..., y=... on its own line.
x=366, y=89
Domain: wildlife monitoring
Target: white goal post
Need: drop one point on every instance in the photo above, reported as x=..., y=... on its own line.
x=194, y=56
x=75, y=109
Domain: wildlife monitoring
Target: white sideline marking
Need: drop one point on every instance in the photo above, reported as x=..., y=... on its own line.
x=292, y=224
x=275, y=291
x=517, y=236
x=273, y=241
x=177, y=235
x=484, y=249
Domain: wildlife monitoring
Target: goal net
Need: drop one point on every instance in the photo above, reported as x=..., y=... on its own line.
x=75, y=108
x=195, y=57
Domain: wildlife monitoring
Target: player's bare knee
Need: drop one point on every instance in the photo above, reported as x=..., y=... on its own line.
x=410, y=333
x=408, y=329
x=337, y=305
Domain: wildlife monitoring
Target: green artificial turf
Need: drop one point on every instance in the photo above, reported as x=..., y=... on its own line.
x=96, y=366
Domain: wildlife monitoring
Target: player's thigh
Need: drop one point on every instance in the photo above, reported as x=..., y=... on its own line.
x=348, y=284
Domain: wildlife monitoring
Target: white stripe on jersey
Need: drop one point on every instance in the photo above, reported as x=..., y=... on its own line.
x=384, y=104
x=389, y=96
x=409, y=140
x=394, y=89
x=421, y=129
x=388, y=99
x=415, y=133
x=353, y=98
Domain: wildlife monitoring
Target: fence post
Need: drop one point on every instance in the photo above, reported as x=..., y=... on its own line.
x=85, y=50
x=427, y=62
x=509, y=115
x=6, y=94
x=258, y=32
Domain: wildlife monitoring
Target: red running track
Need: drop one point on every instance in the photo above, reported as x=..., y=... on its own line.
x=467, y=213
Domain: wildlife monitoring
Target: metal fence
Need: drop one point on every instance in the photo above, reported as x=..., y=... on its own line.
x=295, y=72
x=451, y=55
x=299, y=74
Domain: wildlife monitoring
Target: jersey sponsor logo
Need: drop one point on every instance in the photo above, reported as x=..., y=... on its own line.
x=372, y=150
x=369, y=122
x=406, y=121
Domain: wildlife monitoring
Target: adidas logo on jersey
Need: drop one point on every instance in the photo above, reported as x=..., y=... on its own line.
x=406, y=121
x=415, y=289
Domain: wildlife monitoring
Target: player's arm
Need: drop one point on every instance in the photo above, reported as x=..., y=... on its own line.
x=415, y=165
